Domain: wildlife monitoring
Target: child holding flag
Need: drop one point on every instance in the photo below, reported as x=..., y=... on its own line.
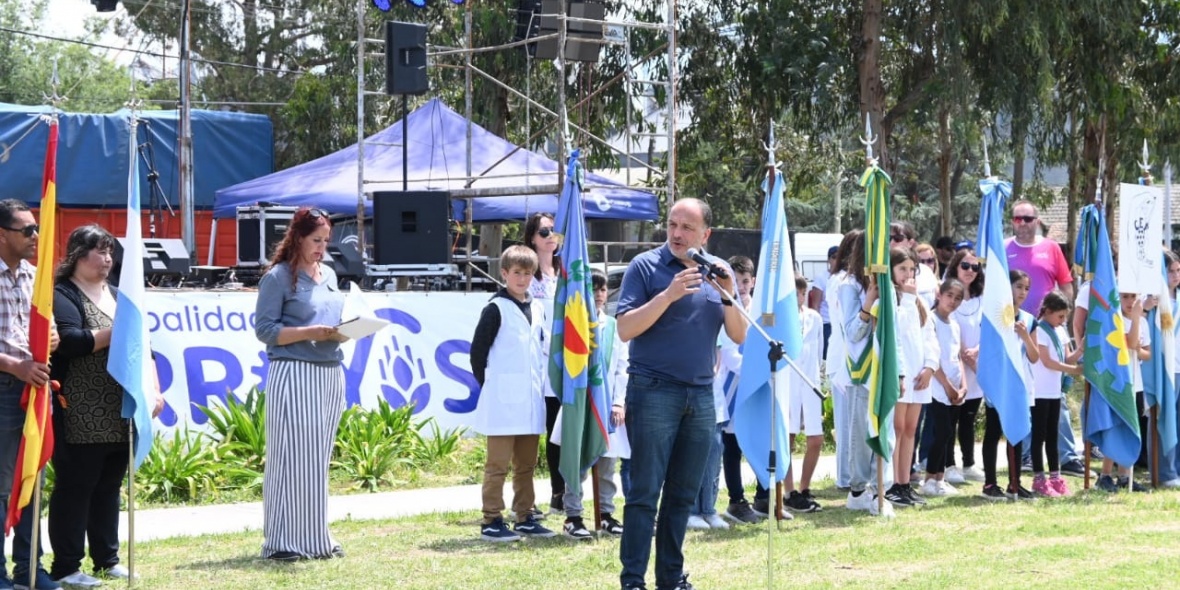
x=1169, y=463
x=1139, y=347
x=1055, y=360
x=948, y=390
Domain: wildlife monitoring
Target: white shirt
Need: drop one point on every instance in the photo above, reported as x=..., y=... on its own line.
x=813, y=348
x=969, y=316
x=820, y=282
x=927, y=285
x=919, y=343
x=1046, y=381
x=949, y=344
x=836, y=365
x=1144, y=340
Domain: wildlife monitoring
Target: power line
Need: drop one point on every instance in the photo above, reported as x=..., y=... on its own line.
x=150, y=53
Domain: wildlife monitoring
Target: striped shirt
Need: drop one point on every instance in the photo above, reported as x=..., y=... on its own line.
x=16, y=295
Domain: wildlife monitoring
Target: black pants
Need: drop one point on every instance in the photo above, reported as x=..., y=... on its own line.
x=1045, y=416
x=991, y=437
x=553, y=450
x=85, y=504
x=731, y=467
x=941, y=418
x=966, y=433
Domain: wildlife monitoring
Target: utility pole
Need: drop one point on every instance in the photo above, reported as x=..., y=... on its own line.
x=187, y=196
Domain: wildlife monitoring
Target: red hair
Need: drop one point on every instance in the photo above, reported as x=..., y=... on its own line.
x=306, y=221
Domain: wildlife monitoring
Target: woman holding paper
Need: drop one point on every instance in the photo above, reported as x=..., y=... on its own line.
x=299, y=306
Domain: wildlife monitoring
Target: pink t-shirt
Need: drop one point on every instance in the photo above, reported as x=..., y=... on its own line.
x=1045, y=265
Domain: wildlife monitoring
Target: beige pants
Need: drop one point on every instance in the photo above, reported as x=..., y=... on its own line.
x=521, y=452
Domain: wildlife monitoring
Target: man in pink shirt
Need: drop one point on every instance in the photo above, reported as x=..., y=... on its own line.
x=1040, y=258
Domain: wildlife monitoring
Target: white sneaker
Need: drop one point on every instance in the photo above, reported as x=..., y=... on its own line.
x=972, y=473
x=1172, y=483
x=697, y=523
x=716, y=522
x=873, y=508
x=862, y=502
x=947, y=489
x=953, y=475
x=79, y=580
x=931, y=488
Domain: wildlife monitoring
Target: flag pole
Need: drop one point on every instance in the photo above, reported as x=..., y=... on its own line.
x=1153, y=411
x=597, y=504
x=133, y=104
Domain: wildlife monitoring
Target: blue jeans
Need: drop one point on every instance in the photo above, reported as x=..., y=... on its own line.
x=669, y=423
x=625, y=475
x=862, y=462
x=12, y=422
x=1067, y=448
x=706, y=504
x=843, y=439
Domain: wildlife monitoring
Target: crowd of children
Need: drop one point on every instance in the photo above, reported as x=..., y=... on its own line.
x=938, y=338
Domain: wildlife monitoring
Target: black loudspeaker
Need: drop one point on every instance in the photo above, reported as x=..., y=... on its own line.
x=411, y=227
x=259, y=230
x=528, y=22
x=581, y=39
x=161, y=258
x=405, y=58
x=345, y=260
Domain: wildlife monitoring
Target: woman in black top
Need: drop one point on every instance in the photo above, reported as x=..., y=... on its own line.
x=91, y=451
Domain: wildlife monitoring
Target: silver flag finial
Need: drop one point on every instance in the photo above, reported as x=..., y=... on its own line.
x=868, y=140
x=987, y=164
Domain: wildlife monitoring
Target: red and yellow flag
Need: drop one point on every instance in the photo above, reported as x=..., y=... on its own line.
x=36, y=445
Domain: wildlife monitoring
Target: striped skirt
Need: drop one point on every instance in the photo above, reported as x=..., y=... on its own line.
x=304, y=402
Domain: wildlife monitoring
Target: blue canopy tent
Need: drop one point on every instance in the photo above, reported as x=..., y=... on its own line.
x=437, y=161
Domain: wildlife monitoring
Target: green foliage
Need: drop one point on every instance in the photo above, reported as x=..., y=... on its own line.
x=180, y=469
x=238, y=431
x=370, y=445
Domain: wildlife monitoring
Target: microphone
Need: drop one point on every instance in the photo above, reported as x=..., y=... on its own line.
x=714, y=268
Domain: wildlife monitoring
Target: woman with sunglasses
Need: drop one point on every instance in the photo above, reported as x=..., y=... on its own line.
x=539, y=235
x=965, y=267
x=928, y=257
x=299, y=306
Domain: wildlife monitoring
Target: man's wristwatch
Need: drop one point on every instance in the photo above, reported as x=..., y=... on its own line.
x=727, y=301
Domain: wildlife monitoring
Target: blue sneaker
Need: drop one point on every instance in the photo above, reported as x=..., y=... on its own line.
x=43, y=581
x=531, y=528
x=497, y=532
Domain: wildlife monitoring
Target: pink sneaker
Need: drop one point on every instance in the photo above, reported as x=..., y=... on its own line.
x=1058, y=485
x=1041, y=487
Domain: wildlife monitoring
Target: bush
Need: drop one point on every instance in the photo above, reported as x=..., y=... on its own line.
x=178, y=470
x=370, y=444
x=239, y=437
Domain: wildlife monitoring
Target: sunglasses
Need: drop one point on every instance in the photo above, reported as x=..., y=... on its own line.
x=317, y=213
x=545, y=232
x=926, y=260
x=897, y=238
x=1024, y=218
x=972, y=267
x=27, y=230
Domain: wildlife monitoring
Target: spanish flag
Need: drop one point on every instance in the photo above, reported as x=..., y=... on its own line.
x=36, y=446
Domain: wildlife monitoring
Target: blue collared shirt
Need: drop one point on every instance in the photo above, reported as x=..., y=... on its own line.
x=309, y=303
x=680, y=346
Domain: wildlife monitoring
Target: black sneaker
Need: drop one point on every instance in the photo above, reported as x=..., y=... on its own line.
x=1026, y=466
x=1135, y=486
x=575, y=529
x=284, y=556
x=913, y=496
x=683, y=583
x=608, y=525
x=1074, y=467
x=1020, y=493
x=992, y=492
x=497, y=532
x=761, y=507
x=531, y=528
x=814, y=503
x=639, y=586
x=741, y=512
x=1106, y=483
x=797, y=502
x=898, y=497
x=557, y=505
x=1096, y=454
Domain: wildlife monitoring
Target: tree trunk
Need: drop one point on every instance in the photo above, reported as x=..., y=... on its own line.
x=872, y=90
x=1019, y=138
x=944, y=171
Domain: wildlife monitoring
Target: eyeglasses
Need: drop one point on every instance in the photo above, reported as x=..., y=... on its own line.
x=545, y=232
x=1023, y=218
x=896, y=238
x=972, y=267
x=317, y=213
x=27, y=230
x=926, y=260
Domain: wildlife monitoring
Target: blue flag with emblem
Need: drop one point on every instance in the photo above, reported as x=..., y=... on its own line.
x=1159, y=372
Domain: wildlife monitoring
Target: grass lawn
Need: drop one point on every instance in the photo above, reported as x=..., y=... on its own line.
x=1090, y=540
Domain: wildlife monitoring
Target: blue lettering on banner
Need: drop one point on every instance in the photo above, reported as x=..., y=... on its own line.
x=201, y=389
x=168, y=416
x=442, y=358
x=191, y=319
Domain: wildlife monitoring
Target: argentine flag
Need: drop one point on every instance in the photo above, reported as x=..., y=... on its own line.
x=130, y=354
x=776, y=309
x=1004, y=384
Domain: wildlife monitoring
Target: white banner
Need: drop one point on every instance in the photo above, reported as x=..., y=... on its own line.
x=1141, y=235
x=205, y=350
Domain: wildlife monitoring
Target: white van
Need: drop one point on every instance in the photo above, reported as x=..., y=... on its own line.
x=811, y=253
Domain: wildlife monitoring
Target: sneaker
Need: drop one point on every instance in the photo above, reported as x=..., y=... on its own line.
x=529, y=527
x=556, y=506
x=972, y=473
x=1096, y=454
x=1106, y=484
x=898, y=497
x=1135, y=486
x=716, y=522
x=885, y=511
x=1041, y=487
x=915, y=499
x=1074, y=467
x=607, y=524
x=497, y=532
x=993, y=492
x=1020, y=493
x=1026, y=466
x=761, y=507
x=285, y=556
x=80, y=580
x=119, y=572
x=683, y=583
x=697, y=523
x=953, y=475
x=575, y=529
x=861, y=502
x=1059, y=486
x=635, y=586
x=947, y=489
x=801, y=503
x=42, y=582
x=741, y=512
x=932, y=488
x=1172, y=483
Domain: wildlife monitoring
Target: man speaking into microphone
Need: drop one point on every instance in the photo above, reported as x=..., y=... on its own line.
x=671, y=316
